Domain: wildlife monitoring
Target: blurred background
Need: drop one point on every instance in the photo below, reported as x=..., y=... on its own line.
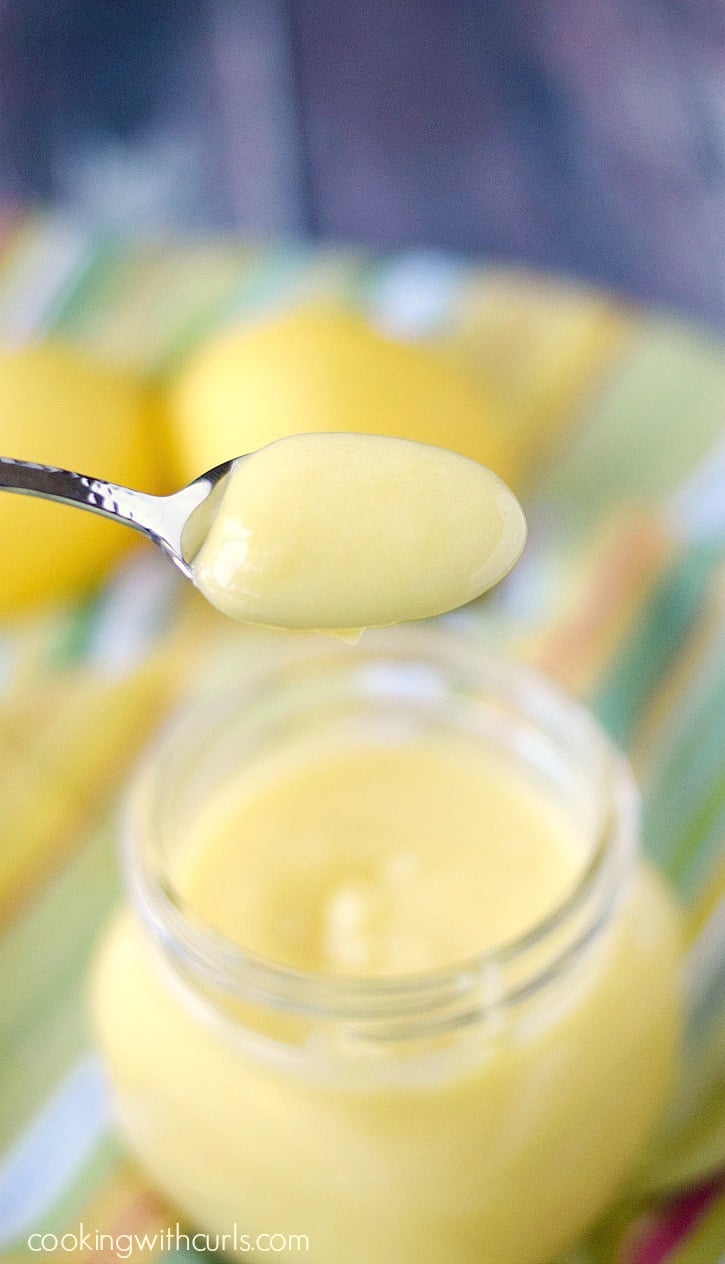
x=477, y=156
x=584, y=137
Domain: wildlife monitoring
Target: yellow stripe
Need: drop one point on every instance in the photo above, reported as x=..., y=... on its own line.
x=126, y=1204
x=151, y=291
x=708, y=903
x=59, y=764
x=606, y=594
x=542, y=347
x=65, y=745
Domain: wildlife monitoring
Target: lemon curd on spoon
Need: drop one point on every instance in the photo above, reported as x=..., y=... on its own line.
x=345, y=531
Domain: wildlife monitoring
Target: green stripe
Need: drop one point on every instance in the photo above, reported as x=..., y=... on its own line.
x=683, y=792
x=684, y=803
x=79, y=302
x=44, y=961
x=601, y=1245
x=701, y=845
x=249, y=287
x=69, y=646
x=39, y=1059
x=182, y=1256
x=659, y=418
x=295, y=274
x=662, y=628
x=192, y=316
x=692, y=1152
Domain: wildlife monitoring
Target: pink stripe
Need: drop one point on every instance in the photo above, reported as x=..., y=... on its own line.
x=674, y=1226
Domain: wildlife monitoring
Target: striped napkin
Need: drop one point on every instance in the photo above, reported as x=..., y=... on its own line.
x=616, y=419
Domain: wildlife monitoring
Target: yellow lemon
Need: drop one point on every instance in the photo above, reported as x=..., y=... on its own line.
x=320, y=369
x=59, y=408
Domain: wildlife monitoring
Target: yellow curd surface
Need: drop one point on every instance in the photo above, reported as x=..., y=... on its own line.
x=345, y=531
x=370, y=852
x=379, y=857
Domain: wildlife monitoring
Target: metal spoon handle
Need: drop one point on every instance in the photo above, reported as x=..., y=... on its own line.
x=95, y=494
x=159, y=517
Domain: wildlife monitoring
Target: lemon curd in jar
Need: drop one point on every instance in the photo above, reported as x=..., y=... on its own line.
x=393, y=975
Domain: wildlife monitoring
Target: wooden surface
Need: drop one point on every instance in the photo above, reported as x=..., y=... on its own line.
x=580, y=136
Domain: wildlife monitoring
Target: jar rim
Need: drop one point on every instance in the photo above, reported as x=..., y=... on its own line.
x=444, y=996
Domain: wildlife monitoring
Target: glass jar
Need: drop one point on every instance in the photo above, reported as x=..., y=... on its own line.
x=482, y=1113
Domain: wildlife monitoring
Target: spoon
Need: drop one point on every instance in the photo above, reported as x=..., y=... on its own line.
x=319, y=531
x=161, y=518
